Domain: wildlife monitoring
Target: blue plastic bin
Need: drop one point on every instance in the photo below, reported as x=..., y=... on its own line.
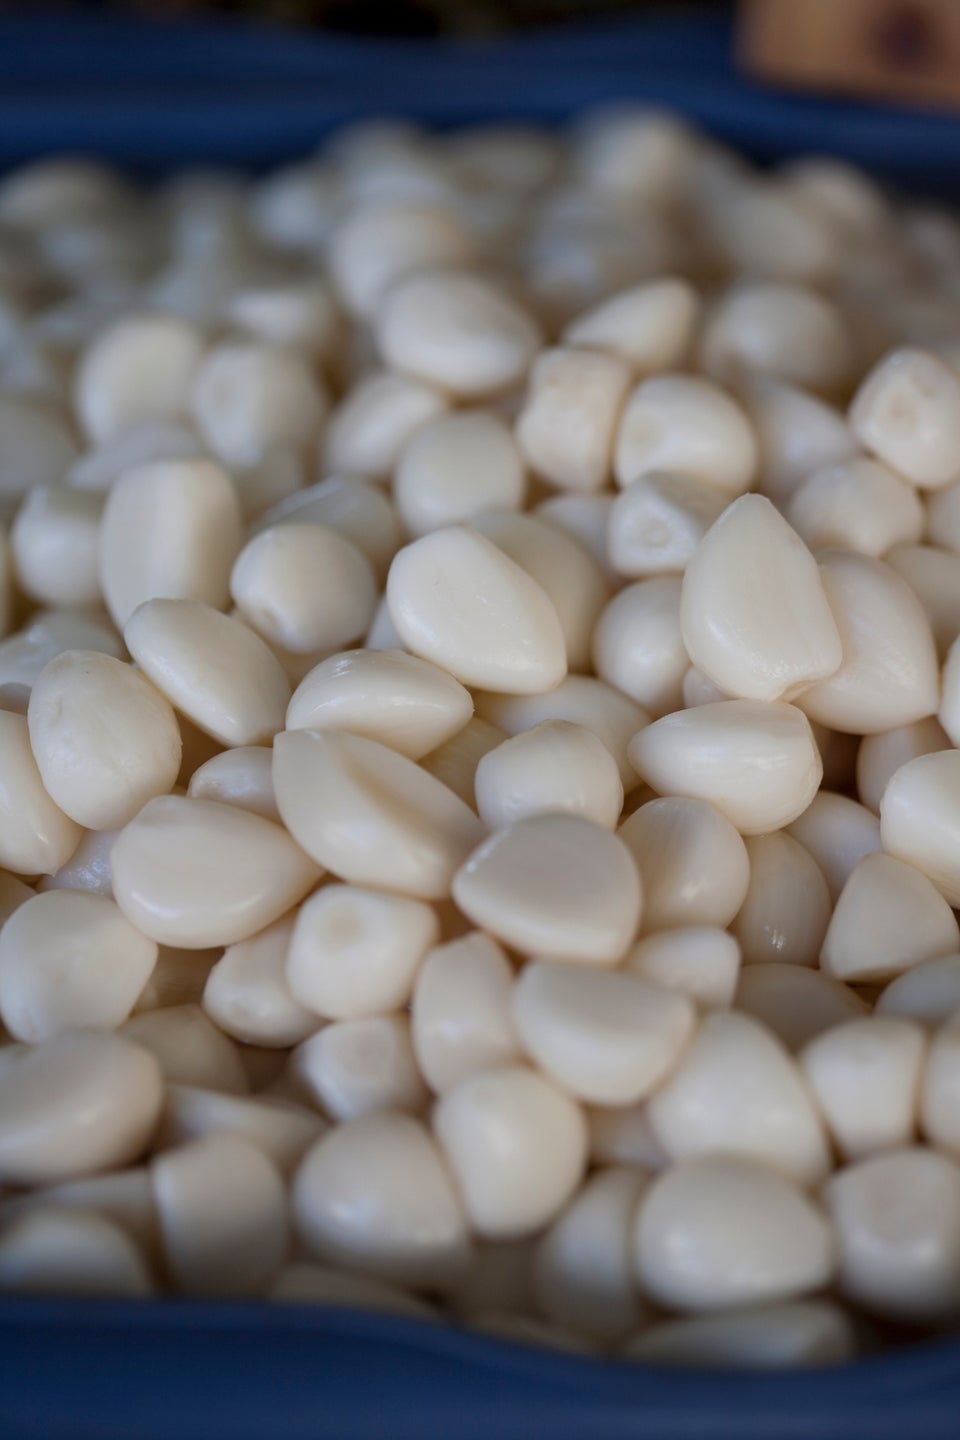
x=155, y=97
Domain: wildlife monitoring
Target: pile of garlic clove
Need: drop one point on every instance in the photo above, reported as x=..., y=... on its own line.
x=479, y=725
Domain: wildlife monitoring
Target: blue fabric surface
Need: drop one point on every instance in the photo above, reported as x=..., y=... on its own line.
x=156, y=96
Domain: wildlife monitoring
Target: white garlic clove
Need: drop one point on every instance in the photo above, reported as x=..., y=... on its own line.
x=889, y=917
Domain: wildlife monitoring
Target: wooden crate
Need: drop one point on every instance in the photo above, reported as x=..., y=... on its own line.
x=899, y=50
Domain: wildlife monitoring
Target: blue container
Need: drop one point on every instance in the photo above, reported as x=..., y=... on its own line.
x=152, y=98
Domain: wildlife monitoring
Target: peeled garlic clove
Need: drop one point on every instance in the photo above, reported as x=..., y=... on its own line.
x=556, y=885
x=919, y=821
x=799, y=1333
x=247, y=994
x=190, y=1049
x=584, y=517
x=693, y=863
x=241, y=777
x=856, y=505
x=213, y=669
x=462, y=1023
x=726, y=1231
x=374, y=421
x=837, y=832
x=171, y=530
x=797, y=434
x=282, y=1130
x=141, y=368
x=53, y=546
x=381, y=240
x=649, y=327
x=36, y=837
x=248, y=398
x=123, y=1197
x=866, y=1078
x=356, y=509
x=47, y=1251
x=686, y=425
x=753, y=612
x=373, y=817
x=555, y=767
x=516, y=1145
x=881, y=756
x=929, y=993
x=567, y=426
x=386, y=695
x=70, y=961
x=907, y=412
x=786, y=911
x=356, y=1067
x=75, y=1104
x=222, y=1212
x=101, y=777
x=888, y=675
x=795, y=1002
x=699, y=961
x=513, y=644
x=374, y=1195
x=657, y=522
x=582, y=1272
x=784, y=330
x=757, y=762
x=608, y=1038
x=934, y=576
x=192, y=873
x=454, y=468
x=638, y=645
x=897, y=1222
x=888, y=917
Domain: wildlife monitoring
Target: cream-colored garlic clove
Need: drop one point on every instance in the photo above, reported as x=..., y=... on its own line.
x=856, y=505
x=757, y=762
x=700, y=961
x=929, y=993
x=889, y=917
x=24, y=654
x=693, y=863
x=649, y=327
x=556, y=766
x=49, y=1251
x=753, y=612
x=370, y=815
x=638, y=644
x=555, y=885
x=584, y=517
x=54, y=543
x=568, y=574
x=866, y=1076
x=223, y=1220
x=70, y=961
x=897, y=1222
x=282, y=1130
x=949, y=715
x=458, y=600
x=454, y=468
x=221, y=675
x=784, y=330
x=73, y=1105
x=724, y=1231
x=888, y=675
x=355, y=508
x=837, y=832
x=241, y=777
x=795, y=1002
x=374, y=1195
x=455, y=331
x=36, y=837
x=582, y=1270
x=517, y=1147
x=374, y=421
x=248, y=398
x=907, y=413
x=171, y=530
x=105, y=740
x=881, y=756
x=189, y=1048
x=194, y=873
x=355, y=1067
x=934, y=577
x=386, y=695
x=797, y=434
x=298, y=313
x=608, y=1038
x=567, y=426
x=686, y=425
x=787, y=907
x=797, y=1334
x=122, y=1197
x=247, y=995
x=919, y=820
x=379, y=241
x=657, y=522
x=462, y=1022
x=736, y=1090
x=612, y=716
x=356, y=952
x=141, y=368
